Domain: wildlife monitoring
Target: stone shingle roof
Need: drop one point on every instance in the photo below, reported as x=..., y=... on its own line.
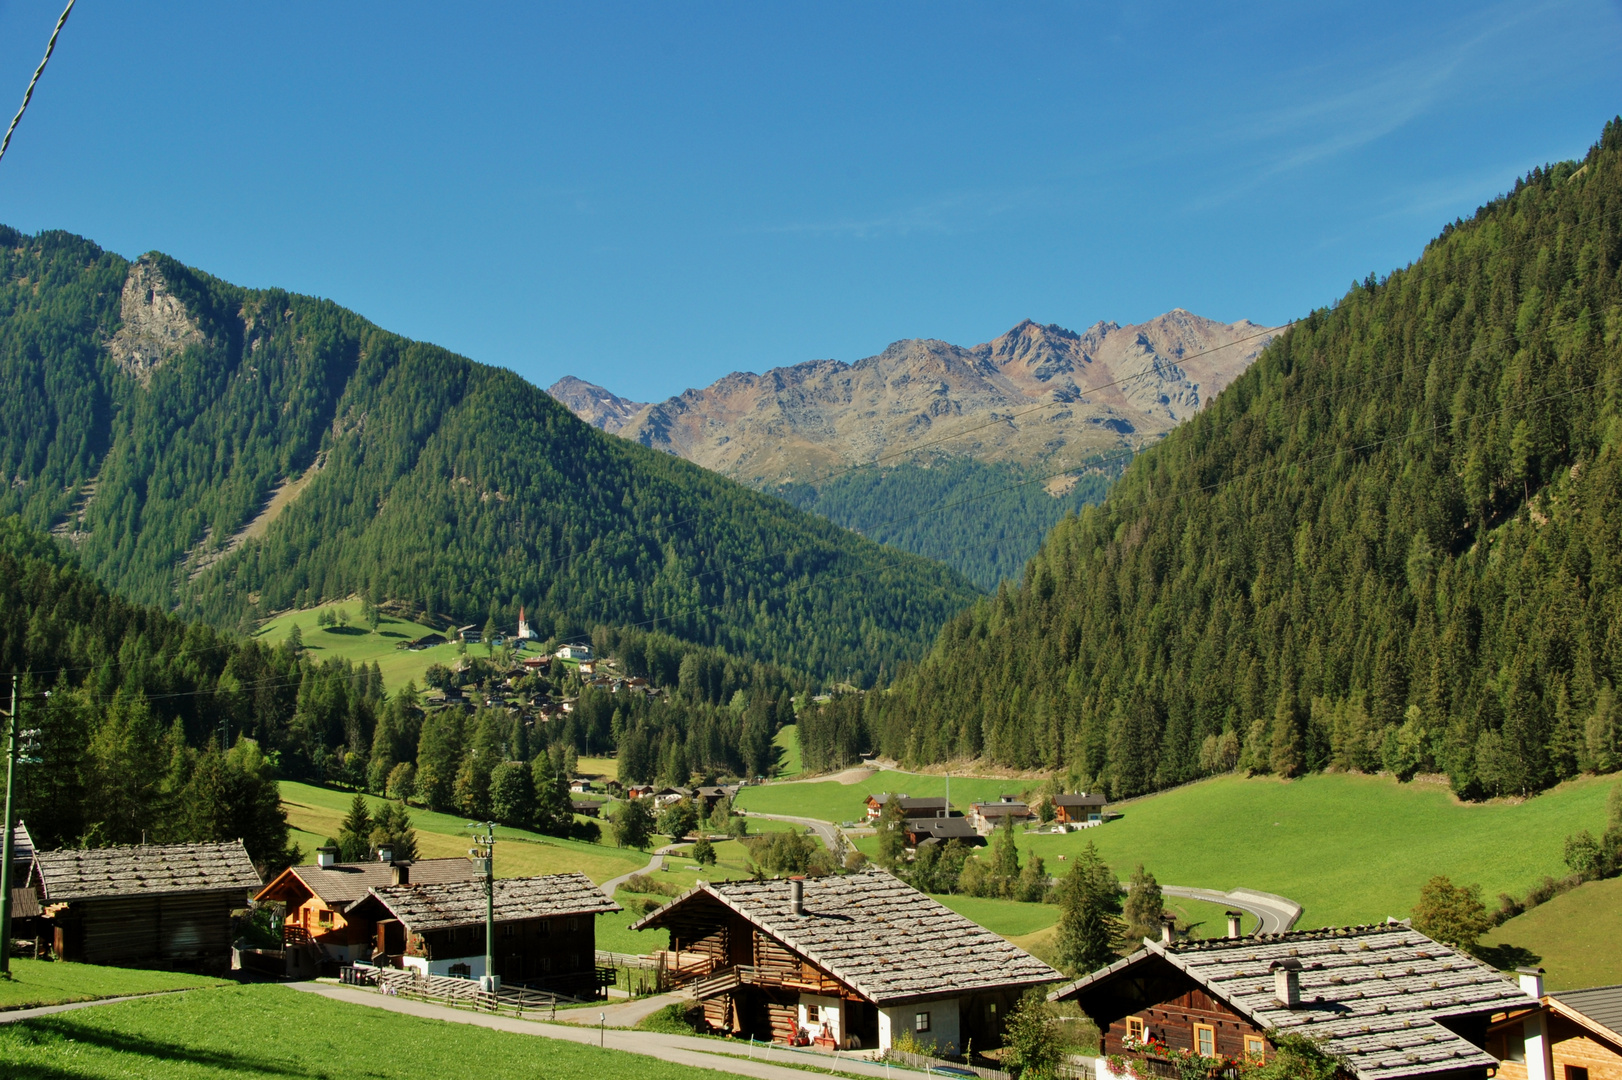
x=1601, y=1004
x=943, y=829
x=461, y=903
x=343, y=884
x=1372, y=993
x=1082, y=799
x=148, y=870
x=881, y=937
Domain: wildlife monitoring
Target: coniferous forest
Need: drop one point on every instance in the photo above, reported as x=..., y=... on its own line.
x=156, y=445
x=1394, y=543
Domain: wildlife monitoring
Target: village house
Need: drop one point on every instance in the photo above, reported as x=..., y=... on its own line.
x=988, y=817
x=471, y=633
x=710, y=795
x=574, y=652
x=921, y=831
x=319, y=925
x=669, y=796
x=849, y=961
x=1079, y=809
x=1386, y=998
x=1571, y=1035
x=546, y=930
x=587, y=807
x=157, y=905
x=580, y=785
x=910, y=807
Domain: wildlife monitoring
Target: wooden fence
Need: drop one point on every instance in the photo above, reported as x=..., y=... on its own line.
x=457, y=993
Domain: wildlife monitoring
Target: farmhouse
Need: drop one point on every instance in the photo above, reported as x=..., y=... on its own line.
x=160, y=905
x=1386, y=998
x=1079, y=808
x=988, y=817
x=320, y=900
x=574, y=652
x=546, y=929
x=587, y=807
x=910, y=807
x=932, y=830
x=710, y=795
x=1572, y=1035
x=850, y=961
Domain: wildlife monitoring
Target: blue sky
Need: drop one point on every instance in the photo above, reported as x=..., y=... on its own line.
x=652, y=195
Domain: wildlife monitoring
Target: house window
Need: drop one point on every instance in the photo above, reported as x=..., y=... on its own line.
x=1515, y=1046
x=326, y=918
x=509, y=929
x=1255, y=1047
x=920, y=1021
x=1576, y=1072
x=1205, y=1040
x=460, y=971
x=1134, y=1029
x=811, y=1014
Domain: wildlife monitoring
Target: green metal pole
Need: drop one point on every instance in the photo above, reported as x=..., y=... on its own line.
x=6, y=852
x=490, y=900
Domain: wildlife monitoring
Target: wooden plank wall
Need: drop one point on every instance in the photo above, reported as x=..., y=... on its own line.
x=1174, y=1021
x=179, y=929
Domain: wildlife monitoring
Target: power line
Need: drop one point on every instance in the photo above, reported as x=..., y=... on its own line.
x=29, y=94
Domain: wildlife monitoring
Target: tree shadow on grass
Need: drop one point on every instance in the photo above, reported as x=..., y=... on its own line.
x=1507, y=957
x=156, y=1049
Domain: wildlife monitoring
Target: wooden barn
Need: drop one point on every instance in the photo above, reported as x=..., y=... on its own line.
x=1387, y=999
x=158, y=905
x=319, y=900
x=850, y=961
x=546, y=929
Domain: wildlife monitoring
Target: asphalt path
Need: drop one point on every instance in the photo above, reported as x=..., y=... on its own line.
x=611, y=884
x=824, y=830
x=1274, y=914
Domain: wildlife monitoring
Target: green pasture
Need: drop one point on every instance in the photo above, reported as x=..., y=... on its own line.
x=830, y=800
x=41, y=982
x=787, y=742
x=269, y=1030
x=317, y=811
x=358, y=644
x=1576, y=937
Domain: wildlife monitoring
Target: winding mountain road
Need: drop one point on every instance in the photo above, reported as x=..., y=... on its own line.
x=824, y=829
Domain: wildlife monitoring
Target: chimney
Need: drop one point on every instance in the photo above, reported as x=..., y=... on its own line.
x=1168, y=929
x=796, y=896
x=1531, y=981
x=1287, y=982
x=326, y=856
x=385, y=854
x=1233, y=924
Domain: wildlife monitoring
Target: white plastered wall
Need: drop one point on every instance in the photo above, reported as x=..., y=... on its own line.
x=944, y=1032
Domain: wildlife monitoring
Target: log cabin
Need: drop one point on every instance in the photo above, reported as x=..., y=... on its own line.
x=320, y=900
x=158, y=905
x=1386, y=999
x=1571, y=1035
x=1079, y=808
x=546, y=930
x=851, y=961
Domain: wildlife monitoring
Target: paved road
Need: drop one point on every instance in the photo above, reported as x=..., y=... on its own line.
x=824, y=829
x=611, y=884
x=742, y=1059
x=1274, y=914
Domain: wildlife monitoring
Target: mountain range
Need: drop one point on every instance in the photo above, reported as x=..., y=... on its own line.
x=226, y=453
x=1036, y=396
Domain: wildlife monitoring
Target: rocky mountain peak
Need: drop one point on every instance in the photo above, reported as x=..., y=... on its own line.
x=156, y=325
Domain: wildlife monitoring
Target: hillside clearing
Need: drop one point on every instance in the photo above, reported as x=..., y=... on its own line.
x=359, y=645
x=830, y=800
x=1577, y=937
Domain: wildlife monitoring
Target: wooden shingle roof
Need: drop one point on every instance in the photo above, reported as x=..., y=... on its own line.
x=461, y=903
x=148, y=870
x=344, y=884
x=1373, y=994
x=878, y=935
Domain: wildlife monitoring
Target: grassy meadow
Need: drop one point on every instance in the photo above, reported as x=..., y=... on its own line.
x=1577, y=937
x=41, y=982
x=270, y=1030
x=317, y=811
x=787, y=741
x=830, y=800
x=358, y=644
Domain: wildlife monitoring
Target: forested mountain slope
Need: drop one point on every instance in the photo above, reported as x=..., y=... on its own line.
x=1395, y=541
x=228, y=452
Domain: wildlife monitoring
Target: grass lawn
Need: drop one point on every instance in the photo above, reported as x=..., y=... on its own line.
x=829, y=800
x=597, y=768
x=40, y=982
x=358, y=644
x=1577, y=937
x=787, y=741
x=316, y=812
x=1348, y=848
x=269, y=1030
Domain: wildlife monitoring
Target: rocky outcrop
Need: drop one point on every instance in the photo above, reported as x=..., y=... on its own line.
x=156, y=325
x=593, y=404
x=1035, y=395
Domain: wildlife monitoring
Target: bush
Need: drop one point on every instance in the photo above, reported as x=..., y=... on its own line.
x=642, y=883
x=680, y=1018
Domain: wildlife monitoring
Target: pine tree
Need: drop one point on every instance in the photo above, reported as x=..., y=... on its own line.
x=512, y=794
x=392, y=828
x=355, y=833
x=1088, y=929
x=1144, y=906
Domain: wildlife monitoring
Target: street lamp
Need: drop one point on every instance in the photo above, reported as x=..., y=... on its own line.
x=483, y=857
